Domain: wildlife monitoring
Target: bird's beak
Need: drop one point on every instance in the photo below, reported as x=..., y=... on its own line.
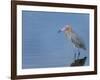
x=59, y=31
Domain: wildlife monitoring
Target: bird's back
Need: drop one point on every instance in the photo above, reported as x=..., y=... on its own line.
x=76, y=40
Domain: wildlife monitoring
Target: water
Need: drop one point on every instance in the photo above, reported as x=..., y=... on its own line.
x=43, y=46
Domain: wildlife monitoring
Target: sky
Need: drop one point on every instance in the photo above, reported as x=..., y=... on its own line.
x=43, y=46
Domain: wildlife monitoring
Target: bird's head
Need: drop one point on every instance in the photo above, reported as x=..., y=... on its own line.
x=67, y=28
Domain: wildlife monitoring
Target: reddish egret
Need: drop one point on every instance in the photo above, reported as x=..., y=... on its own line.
x=74, y=38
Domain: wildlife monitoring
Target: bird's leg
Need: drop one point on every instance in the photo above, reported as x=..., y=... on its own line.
x=78, y=54
x=75, y=56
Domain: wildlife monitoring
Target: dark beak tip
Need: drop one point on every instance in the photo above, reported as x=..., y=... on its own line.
x=59, y=31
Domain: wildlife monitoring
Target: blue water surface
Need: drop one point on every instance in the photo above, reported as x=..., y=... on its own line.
x=43, y=46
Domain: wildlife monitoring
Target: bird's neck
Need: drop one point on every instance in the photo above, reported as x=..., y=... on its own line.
x=68, y=34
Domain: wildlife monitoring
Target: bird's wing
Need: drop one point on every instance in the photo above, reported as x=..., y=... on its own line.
x=77, y=41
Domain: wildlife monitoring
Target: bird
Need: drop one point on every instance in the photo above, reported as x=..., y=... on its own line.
x=74, y=38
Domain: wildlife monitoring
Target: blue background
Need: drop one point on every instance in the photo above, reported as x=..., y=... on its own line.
x=43, y=46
